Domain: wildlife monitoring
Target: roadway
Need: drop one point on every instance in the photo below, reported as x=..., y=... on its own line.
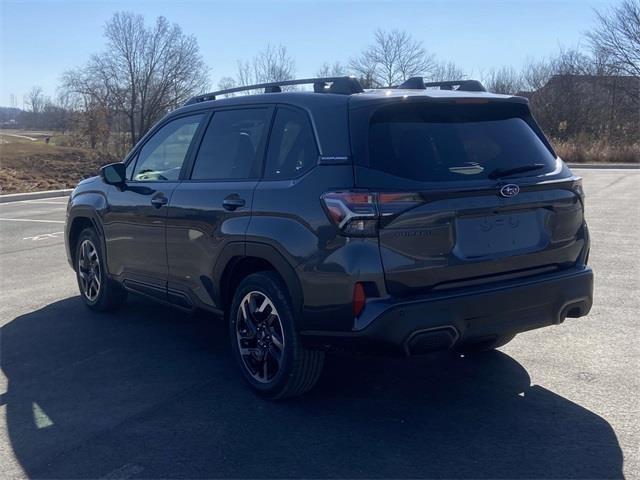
x=152, y=392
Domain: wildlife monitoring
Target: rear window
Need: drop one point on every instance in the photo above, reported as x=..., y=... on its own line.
x=231, y=148
x=454, y=142
x=292, y=148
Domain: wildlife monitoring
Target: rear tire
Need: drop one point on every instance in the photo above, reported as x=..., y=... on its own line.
x=265, y=340
x=487, y=345
x=97, y=290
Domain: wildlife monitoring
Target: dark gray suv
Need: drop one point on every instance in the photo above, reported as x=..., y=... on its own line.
x=400, y=220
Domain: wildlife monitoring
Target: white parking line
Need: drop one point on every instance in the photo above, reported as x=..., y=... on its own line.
x=45, y=202
x=43, y=236
x=30, y=220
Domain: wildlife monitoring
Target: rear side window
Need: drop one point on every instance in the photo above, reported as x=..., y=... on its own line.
x=292, y=147
x=232, y=145
x=454, y=142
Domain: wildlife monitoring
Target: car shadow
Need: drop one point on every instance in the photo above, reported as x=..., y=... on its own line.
x=152, y=392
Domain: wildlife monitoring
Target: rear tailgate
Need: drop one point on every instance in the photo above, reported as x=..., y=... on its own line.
x=466, y=227
x=457, y=238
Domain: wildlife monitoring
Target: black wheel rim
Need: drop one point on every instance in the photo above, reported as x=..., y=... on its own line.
x=260, y=336
x=89, y=270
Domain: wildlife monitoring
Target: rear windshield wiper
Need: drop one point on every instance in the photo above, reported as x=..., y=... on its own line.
x=505, y=172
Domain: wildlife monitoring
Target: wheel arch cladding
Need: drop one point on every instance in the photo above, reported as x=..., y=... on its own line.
x=256, y=257
x=78, y=224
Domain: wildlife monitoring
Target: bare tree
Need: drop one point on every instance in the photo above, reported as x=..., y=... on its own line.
x=65, y=104
x=505, y=80
x=336, y=69
x=617, y=37
x=35, y=100
x=94, y=123
x=536, y=73
x=143, y=73
x=392, y=58
x=225, y=83
x=272, y=64
x=444, y=71
x=571, y=61
x=245, y=75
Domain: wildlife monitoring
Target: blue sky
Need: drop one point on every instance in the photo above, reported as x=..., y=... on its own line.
x=42, y=39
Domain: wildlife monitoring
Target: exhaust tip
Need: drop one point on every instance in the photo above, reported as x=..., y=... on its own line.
x=430, y=340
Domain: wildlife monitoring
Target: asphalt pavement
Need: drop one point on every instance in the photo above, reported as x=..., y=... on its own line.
x=151, y=392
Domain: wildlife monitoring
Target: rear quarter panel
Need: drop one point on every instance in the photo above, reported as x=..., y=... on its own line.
x=288, y=215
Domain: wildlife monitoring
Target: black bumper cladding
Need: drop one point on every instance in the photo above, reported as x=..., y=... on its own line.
x=442, y=320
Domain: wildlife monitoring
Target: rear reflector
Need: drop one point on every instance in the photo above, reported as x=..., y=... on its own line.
x=359, y=299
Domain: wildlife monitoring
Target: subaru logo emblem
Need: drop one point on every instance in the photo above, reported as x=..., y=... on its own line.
x=510, y=190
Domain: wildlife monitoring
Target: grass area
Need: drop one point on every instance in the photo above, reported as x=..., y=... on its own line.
x=28, y=164
x=590, y=151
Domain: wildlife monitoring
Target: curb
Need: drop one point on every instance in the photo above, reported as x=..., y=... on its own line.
x=18, y=197
x=606, y=166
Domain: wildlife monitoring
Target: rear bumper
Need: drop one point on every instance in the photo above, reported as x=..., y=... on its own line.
x=443, y=320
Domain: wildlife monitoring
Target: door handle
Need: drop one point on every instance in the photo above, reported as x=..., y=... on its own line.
x=232, y=202
x=159, y=201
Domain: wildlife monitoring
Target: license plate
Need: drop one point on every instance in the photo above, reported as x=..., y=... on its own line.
x=481, y=236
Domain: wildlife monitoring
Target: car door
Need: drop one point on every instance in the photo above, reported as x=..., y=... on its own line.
x=212, y=206
x=135, y=222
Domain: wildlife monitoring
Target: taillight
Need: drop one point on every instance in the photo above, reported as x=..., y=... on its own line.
x=394, y=203
x=577, y=188
x=359, y=214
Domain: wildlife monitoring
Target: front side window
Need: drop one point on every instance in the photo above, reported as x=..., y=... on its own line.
x=130, y=166
x=161, y=158
x=292, y=148
x=232, y=145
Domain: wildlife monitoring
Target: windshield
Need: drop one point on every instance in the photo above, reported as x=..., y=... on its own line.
x=455, y=142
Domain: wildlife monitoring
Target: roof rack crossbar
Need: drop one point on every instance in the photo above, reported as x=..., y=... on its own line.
x=344, y=85
x=463, y=85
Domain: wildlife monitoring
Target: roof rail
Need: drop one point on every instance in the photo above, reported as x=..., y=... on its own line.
x=418, y=83
x=343, y=85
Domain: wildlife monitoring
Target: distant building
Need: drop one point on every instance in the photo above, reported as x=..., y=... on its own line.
x=625, y=89
x=594, y=104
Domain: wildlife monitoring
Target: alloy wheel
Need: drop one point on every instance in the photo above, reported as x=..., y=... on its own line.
x=260, y=336
x=89, y=270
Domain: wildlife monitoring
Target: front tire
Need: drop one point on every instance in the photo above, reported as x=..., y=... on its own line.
x=97, y=290
x=265, y=340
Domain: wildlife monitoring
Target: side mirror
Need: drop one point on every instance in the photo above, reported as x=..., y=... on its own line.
x=114, y=174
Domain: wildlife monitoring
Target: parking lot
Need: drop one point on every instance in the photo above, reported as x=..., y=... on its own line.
x=152, y=392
